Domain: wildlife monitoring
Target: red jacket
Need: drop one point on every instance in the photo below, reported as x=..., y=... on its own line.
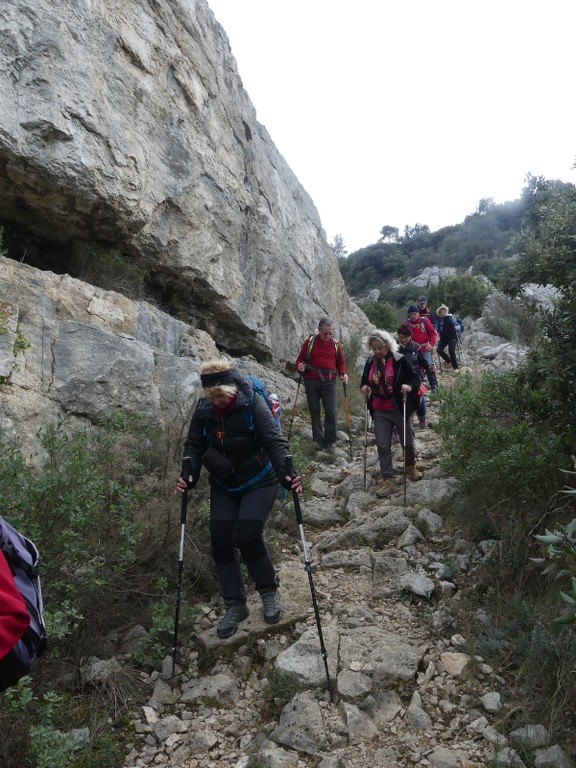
x=323, y=357
x=14, y=618
x=422, y=331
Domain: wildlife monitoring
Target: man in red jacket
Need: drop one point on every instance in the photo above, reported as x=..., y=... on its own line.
x=14, y=618
x=320, y=361
x=424, y=336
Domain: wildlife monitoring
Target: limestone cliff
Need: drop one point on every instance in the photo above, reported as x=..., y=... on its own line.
x=126, y=125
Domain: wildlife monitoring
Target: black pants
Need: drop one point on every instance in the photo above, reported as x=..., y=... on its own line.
x=237, y=529
x=322, y=393
x=451, y=352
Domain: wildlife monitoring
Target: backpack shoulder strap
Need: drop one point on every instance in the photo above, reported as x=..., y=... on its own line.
x=311, y=340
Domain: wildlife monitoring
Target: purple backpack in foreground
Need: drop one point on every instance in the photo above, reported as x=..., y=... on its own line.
x=22, y=557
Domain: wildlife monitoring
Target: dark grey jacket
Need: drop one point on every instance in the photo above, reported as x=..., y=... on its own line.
x=237, y=455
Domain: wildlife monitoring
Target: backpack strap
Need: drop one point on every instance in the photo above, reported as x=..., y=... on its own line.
x=312, y=339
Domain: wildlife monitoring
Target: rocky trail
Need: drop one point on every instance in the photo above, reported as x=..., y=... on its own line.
x=405, y=689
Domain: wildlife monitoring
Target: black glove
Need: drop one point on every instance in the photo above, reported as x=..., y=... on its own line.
x=187, y=473
x=288, y=471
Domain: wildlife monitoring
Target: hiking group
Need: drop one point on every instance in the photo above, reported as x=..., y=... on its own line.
x=236, y=435
x=233, y=434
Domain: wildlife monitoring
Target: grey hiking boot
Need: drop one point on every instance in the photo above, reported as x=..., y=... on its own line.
x=272, y=605
x=236, y=611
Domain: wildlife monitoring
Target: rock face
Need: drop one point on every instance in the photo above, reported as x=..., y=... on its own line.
x=126, y=125
x=69, y=349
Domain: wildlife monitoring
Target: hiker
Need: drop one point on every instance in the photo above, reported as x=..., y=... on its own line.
x=415, y=356
x=14, y=620
x=386, y=377
x=425, y=310
x=234, y=435
x=424, y=336
x=447, y=327
x=320, y=361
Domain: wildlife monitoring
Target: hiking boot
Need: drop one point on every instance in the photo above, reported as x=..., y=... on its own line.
x=423, y=424
x=385, y=488
x=236, y=611
x=272, y=605
x=413, y=473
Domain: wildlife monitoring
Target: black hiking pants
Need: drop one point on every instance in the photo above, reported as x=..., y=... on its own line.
x=237, y=530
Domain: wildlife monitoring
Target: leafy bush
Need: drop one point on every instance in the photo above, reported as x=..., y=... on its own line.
x=497, y=434
x=110, y=269
x=463, y=293
x=494, y=269
x=107, y=532
x=382, y=314
x=511, y=319
x=90, y=511
x=559, y=550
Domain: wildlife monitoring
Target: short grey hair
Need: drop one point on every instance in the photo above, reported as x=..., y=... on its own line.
x=324, y=321
x=384, y=337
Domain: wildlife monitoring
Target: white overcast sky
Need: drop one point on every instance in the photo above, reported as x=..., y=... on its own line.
x=409, y=111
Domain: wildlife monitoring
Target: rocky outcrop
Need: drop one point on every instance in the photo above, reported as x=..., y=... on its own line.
x=126, y=125
x=68, y=349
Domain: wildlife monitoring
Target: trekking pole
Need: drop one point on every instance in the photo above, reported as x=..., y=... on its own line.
x=347, y=411
x=366, y=416
x=180, y=569
x=404, y=397
x=461, y=351
x=294, y=409
x=291, y=472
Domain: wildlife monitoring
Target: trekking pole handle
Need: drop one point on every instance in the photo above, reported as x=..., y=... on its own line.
x=291, y=472
x=289, y=466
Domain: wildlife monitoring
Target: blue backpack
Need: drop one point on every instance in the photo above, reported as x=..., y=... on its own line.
x=459, y=325
x=272, y=401
x=22, y=557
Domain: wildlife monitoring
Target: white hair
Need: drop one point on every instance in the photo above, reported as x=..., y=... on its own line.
x=384, y=337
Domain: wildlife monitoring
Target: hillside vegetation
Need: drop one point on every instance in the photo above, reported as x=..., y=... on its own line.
x=486, y=242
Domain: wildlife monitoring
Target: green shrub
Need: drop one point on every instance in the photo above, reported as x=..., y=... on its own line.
x=95, y=505
x=559, y=555
x=511, y=319
x=464, y=294
x=110, y=269
x=499, y=434
x=383, y=315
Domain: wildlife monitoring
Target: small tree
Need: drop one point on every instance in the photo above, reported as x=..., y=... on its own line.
x=389, y=233
x=338, y=247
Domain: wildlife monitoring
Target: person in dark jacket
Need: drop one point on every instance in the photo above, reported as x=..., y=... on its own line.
x=415, y=356
x=235, y=437
x=447, y=328
x=424, y=309
x=387, y=378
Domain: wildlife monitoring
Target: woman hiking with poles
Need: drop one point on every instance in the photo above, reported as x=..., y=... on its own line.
x=235, y=437
x=387, y=376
